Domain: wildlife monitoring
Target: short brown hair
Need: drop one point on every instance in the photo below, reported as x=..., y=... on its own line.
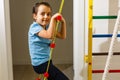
x=35, y=7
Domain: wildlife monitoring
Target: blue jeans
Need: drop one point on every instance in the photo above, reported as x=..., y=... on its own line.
x=54, y=72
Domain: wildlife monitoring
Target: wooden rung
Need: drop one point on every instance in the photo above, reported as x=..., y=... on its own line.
x=101, y=71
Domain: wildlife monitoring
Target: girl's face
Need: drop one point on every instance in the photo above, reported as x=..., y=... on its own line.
x=43, y=15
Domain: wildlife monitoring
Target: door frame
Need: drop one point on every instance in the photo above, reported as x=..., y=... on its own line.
x=6, y=69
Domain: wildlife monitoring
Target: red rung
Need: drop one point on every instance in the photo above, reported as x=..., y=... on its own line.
x=101, y=71
x=46, y=74
x=52, y=45
x=59, y=18
x=38, y=79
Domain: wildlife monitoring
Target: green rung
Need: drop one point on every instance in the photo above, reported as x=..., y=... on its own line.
x=104, y=17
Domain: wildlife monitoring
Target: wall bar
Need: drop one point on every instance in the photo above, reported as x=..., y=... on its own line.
x=103, y=35
x=104, y=17
x=105, y=54
x=101, y=71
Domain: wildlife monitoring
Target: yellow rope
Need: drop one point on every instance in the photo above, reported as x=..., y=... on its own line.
x=53, y=41
x=90, y=39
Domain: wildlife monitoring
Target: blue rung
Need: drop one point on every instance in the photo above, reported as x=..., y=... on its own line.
x=103, y=35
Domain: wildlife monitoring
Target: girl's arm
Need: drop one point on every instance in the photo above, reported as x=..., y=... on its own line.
x=50, y=31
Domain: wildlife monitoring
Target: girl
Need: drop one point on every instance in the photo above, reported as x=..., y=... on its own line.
x=40, y=33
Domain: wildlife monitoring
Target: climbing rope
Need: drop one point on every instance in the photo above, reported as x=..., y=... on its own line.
x=111, y=47
x=52, y=45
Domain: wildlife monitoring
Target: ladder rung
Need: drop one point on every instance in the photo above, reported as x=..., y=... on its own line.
x=105, y=54
x=104, y=17
x=103, y=35
x=101, y=71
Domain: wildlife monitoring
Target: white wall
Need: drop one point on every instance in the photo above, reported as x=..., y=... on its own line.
x=100, y=8
x=104, y=26
x=6, y=72
x=79, y=39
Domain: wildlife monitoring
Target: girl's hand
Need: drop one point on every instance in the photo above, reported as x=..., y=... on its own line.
x=56, y=15
x=63, y=20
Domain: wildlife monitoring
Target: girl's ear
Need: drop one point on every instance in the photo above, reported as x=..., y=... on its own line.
x=34, y=16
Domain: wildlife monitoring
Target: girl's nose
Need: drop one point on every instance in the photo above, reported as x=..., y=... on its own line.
x=45, y=16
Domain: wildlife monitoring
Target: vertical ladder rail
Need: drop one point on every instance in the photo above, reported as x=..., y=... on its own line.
x=90, y=24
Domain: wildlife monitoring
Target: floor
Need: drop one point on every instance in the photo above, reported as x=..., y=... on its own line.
x=25, y=72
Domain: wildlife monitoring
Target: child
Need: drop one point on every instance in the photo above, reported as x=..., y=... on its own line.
x=40, y=34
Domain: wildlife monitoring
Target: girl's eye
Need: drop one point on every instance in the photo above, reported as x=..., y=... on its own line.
x=49, y=14
x=43, y=14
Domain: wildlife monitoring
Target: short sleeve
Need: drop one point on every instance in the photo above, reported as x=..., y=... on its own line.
x=35, y=28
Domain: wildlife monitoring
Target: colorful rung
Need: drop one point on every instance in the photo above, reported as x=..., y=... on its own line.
x=59, y=18
x=52, y=45
x=46, y=74
x=38, y=79
x=42, y=76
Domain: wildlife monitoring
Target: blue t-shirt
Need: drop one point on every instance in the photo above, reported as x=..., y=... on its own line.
x=38, y=47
